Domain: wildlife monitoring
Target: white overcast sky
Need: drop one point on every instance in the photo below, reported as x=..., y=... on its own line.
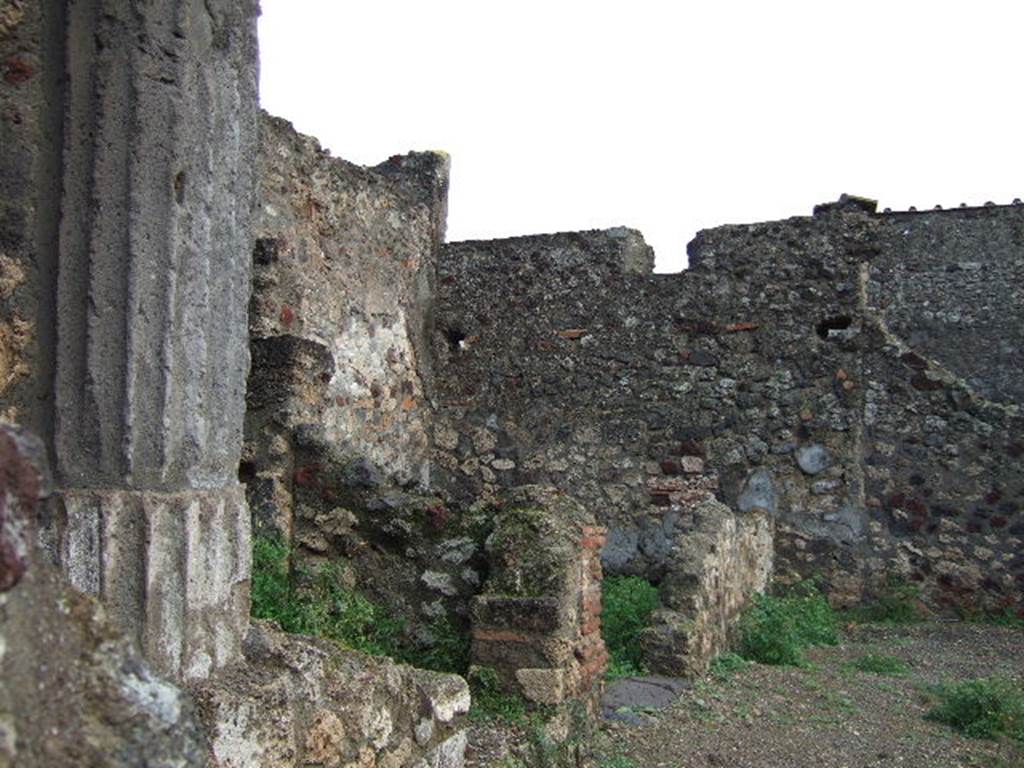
x=665, y=116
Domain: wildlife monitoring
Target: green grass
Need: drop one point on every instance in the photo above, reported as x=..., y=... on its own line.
x=880, y=664
x=897, y=602
x=449, y=651
x=317, y=603
x=725, y=665
x=984, y=708
x=627, y=605
x=1007, y=617
x=490, y=702
x=777, y=629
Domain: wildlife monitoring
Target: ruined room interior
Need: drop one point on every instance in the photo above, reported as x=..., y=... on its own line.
x=217, y=339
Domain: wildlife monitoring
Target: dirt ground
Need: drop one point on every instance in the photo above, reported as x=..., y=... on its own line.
x=827, y=715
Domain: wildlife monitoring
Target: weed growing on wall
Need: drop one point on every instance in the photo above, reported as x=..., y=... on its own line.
x=776, y=629
x=270, y=584
x=317, y=603
x=448, y=652
x=490, y=702
x=984, y=708
x=627, y=605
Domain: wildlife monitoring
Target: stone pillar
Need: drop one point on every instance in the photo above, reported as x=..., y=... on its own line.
x=537, y=623
x=153, y=272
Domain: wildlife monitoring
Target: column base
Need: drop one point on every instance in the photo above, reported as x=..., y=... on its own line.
x=172, y=570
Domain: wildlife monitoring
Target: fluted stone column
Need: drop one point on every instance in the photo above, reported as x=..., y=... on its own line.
x=152, y=350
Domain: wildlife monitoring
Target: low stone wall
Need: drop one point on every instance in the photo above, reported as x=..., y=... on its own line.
x=723, y=560
x=537, y=622
x=297, y=701
x=75, y=691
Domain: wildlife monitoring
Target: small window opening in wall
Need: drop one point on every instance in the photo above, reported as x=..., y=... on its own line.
x=179, y=187
x=829, y=324
x=456, y=339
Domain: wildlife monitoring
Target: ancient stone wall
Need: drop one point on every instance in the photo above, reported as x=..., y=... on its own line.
x=950, y=284
x=768, y=372
x=626, y=387
x=723, y=559
x=343, y=270
x=943, y=455
x=339, y=411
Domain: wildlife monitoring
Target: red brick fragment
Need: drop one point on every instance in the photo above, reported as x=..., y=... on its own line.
x=573, y=333
x=306, y=476
x=287, y=316
x=737, y=327
x=20, y=484
x=17, y=71
x=670, y=467
x=500, y=636
x=592, y=601
x=922, y=383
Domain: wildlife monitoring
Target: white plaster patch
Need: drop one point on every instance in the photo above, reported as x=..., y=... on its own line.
x=380, y=728
x=82, y=547
x=439, y=582
x=199, y=665
x=164, y=580
x=450, y=753
x=233, y=746
x=155, y=696
x=8, y=737
x=453, y=699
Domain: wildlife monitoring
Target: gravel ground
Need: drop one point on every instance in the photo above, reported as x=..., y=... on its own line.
x=825, y=716
x=829, y=715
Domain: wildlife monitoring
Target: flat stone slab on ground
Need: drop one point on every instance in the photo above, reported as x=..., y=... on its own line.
x=630, y=699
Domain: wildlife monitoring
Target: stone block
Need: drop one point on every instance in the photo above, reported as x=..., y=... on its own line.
x=525, y=614
x=508, y=651
x=758, y=492
x=544, y=686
